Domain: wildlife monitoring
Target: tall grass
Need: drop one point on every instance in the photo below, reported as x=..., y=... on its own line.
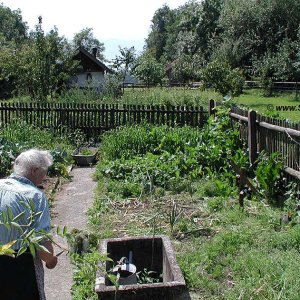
x=169, y=96
x=145, y=96
x=252, y=256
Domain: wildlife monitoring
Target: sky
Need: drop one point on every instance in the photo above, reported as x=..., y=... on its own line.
x=114, y=22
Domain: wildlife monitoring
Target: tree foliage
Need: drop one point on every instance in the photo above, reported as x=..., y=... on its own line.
x=85, y=38
x=157, y=38
x=125, y=61
x=241, y=33
x=40, y=65
x=12, y=27
x=223, y=79
x=148, y=70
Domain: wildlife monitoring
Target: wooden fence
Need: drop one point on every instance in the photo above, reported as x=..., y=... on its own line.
x=270, y=135
x=93, y=119
x=261, y=133
x=275, y=86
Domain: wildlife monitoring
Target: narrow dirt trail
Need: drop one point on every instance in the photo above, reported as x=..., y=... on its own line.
x=70, y=207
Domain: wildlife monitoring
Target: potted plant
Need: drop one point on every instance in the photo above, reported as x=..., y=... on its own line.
x=85, y=156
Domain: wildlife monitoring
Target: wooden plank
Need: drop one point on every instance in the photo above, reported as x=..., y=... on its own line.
x=292, y=172
x=239, y=117
x=291, y=132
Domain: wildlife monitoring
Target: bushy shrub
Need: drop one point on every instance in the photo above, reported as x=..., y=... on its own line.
x=20, y=136
x=224, y=79
x=129, y=141
x=170, y=158
x=268, y=175
x=112, y=86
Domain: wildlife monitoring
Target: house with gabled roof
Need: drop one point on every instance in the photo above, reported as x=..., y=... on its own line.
x=92, y=71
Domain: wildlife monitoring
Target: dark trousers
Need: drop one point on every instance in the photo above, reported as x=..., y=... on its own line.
x=17, y=278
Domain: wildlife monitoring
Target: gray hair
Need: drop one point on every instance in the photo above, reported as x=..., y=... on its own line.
x=30, y=159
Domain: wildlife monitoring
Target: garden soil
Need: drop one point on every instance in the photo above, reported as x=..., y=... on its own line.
x=72, y=201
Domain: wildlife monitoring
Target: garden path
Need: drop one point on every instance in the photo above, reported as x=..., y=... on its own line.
x=71, y=203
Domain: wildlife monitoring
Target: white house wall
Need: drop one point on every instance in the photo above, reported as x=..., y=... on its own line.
x=95, y=80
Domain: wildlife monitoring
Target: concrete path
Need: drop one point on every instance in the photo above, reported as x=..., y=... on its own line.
x=70, y=207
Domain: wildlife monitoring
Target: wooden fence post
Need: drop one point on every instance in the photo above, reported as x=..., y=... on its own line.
x=211, y=107
x=252, y=143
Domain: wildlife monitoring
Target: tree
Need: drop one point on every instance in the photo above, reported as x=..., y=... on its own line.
x=85, y=38
x=40, y=65
x=225, y=80
x=157, y=38
x=186, y=30
x=259, y=25
x=123, y=62
x=13, y=32
x=149, y=70
x=182, y=31
x=282, y=65
x=12, y=27
x=209, y=29
x=187, y=68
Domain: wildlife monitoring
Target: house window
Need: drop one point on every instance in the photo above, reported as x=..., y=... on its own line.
x=89, y=77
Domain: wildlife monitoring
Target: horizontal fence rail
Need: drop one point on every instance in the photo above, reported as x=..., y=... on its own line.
x=275, y=86
x=267, y=134
x=96, y=118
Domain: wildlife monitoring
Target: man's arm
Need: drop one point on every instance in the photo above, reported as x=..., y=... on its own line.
x=49, y=258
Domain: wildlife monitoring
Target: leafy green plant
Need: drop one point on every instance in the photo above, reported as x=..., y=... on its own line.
x=8, y=152
x=268, y=175
x=124, y=188
x=173, y=215
x=29, y=238
x=170, y=158
x=86, y=267
x=85, y=151
x=147, y=276
x=61, y=159
x=19, y=136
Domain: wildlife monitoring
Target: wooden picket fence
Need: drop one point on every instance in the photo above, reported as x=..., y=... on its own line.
x=267, y=134
x=261, y=133
x=93, y=119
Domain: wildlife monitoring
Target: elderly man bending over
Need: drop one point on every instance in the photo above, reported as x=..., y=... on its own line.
x=22, y=278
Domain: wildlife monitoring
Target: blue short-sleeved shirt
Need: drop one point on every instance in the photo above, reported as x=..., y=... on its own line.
x=13, y=191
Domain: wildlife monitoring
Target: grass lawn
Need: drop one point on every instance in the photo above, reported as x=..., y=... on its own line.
x=281, y=105
x=223, y=251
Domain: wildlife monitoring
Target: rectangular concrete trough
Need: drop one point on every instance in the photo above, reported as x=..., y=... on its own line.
x=147, y=252
x=84, y=159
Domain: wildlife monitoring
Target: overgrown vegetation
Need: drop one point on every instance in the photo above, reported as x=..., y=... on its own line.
x=179, y=182
x=19, y=136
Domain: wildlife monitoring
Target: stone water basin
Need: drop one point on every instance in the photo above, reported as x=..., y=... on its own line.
x=155, y=253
